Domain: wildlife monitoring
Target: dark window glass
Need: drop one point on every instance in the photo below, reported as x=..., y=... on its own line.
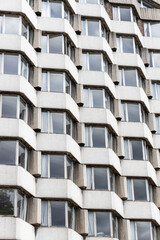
x=137, y=150
x=56, y=166
x=68, y=125
x=55, y=9
x=93, y=28
x=130, y=78
x=58, y=122
x=95, y=62
x=98, y=137
x=69, y=170
x=7, y=152
x=97, y=96
x=125, y=14
x=56, y=82
x=10, y=64
x=70, y=216
x=9, y=106
x=21, y=158
x=140, y=189
x=143, y=231
x=6, y=202
x=103, y=224
x=55, y=44
x=100, y=178
x=128, y=45
x=57, y=213
x=133, y=112
x=20, y=205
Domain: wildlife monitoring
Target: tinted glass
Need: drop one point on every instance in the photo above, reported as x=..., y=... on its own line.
x=100, y=178
x=56, y=82
x=9, y=106
x=137, y=150
x=133, y=112
x=98, y=137
x=7, y=152
x=130, y=78
x=6, y=202
x=93, y=28
x=127, y=45
x=97, y=98
x=55, y=9
x=58, y=122
x=103, y=224
x=95, y=62
x=12, y=25
x=143, y=231
x=57, y=213
x=140, y=189
x=10, y=64
x=55, y=44
x=56, y=166
x=21, y=157
x=125, y=14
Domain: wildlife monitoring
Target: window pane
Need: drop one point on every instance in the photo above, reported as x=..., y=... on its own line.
x=83, y=27
x=1, y=23
x=7, y=152
x=10, y=64
x=137, y=150
x=68, y=125
x=84, y=61
x=56, y=82
x=126, y=149
x=86, y=97
x=56, y=166
x=44, y=215
x=130, y=78
x=9, y=106
x=12, y=25
x=44, y=44
x=44, y=8
x=55, y=9
x=129, y=189
x=127, y=45
x=24, y=68
x=22, y=113
x=143, y=231
x=89, y=178
x=44, y=165
x=57, y=213
x=132, y=227
x=20, y=205
x=156, y=59
x=103, y=224
x=71, y=217
x=100, y=178
x=90, y=223
x=44, y=81
x=21, y=157
x=125, y=14
x=93, y=28
x=95, y=62
x=155, y=29
x=98, y=137
x=24, y=29
x=6, y=202
x=69, y=169
x=57, y=121
x=97, y=98
x=133, y=112
x=140, y=189
x=55, y=44
x=44, y=122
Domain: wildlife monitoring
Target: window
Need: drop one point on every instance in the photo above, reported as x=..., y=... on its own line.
x=58, y=82
x=142, y=230
x=93, y=1
x=136, y=150
x=97, y=98
x=102, y=224
x=58, y=44
x=157, y=124
x=127, y=45
x=56, y=9
x=144, y=4
x=58, y=214
x=13, y=202
x=57, y=166
x=133, y=112
x=31, y=3
x=58, y=122
x=13, y=106
x=123, y=14
x=98, y=137
x=99, y=178
x=152, y=29
x=92, y=27
x=94, y=62
x=14, y=24
x=130, y=77
x=154, y=58
x=139, y=190
x=13, y=152
x=156, y=91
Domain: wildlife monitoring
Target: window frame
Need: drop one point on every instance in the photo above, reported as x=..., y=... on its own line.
x=102, y=30
x=152, y=60
x=123, y=80
x=120, y=45
x=155, y=87
x=116, y=9
x=152, y=227
x=103, y=61
x=142, y=113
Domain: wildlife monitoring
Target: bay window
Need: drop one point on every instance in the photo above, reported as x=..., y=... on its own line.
x=154, y=58
x=156, y=91
x=93, y=27
x=58, y=214
x=96, y=136
x=13, y=152
x=102, y=2
x=57, y=166
x=99, y=178
x=141, y=230
x=133, y=112
x=13, y=202
x=130, y=77
x=152, y=29
x=97, y=98
x=136, y=150
x=58, y=82
x=13, y=106
x=14, y=24
x=94, y=62
x=127, y=45
x=56, y=9
x=58, y=122
x=139, y=190
x=123, y=14
x=102, y=224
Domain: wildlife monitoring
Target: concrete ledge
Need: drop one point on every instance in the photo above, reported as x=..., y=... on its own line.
x=153, y=73
x=156, y=141
x=154, y=105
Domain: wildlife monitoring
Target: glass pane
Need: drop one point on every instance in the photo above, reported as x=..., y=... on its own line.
x=155, y=29
x=143, y=231
x=24, y=68
x=156, y=59
x=86, y=97
x=95, y=62
x=10, y=64
x=140, y=189
x=6, y=201
x=20, y=205
x=56, y=166
x=44, y=213
x=100, y=178
x=57, y=122
x=133, y=112
x=24, y=29
x=83, y=27
x=97, y=98
x=125, y=14
x=129, y=189
x=68, y=84
x=9, y=106
x=44, y=82
x=90, y=223
x=8, y=152
x=126, y=149
x=127, y=45
x=98, y=137
x=115, y=13
x=44, y=44
x=44, y=122
x=1, y=23
x=71, y=216
x=44, y=8
x=84, y=61
x=146, y=29
x=57, y=213
x=93, y=28
x=12, y=25
x=132, y=226
x=69, y=169
x=103, y=224
x=44, y=165
x=68, y=125
x=56, y=82
x=87, y=137
x=55, y=9
x=22, y=112
x=56, y=44
x=89, y=178
x=130, y=77
x=137, y=150
x=21, y=157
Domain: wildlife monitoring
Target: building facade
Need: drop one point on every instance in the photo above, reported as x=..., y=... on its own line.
x=79, y=120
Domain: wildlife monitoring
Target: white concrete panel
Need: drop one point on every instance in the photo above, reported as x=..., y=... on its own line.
x=155, y=106
x=153, y=73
